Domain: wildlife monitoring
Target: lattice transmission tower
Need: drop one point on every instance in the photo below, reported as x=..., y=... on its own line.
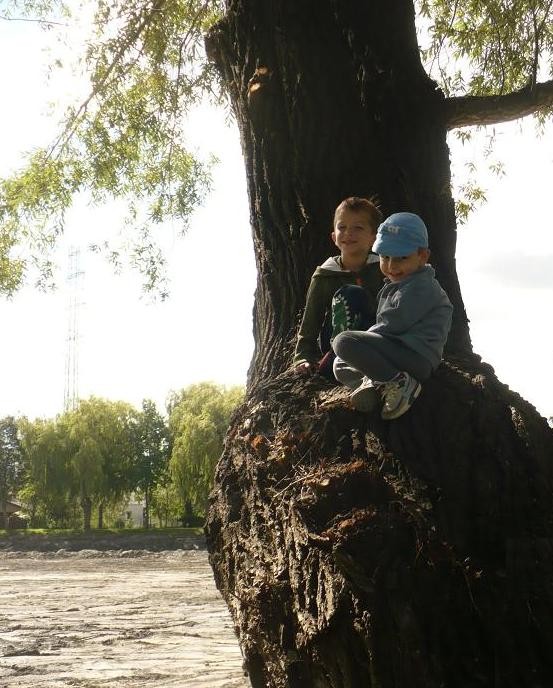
x=74, y=288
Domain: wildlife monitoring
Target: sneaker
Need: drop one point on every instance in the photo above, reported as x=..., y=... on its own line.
x=399, y=395
x=365, y=398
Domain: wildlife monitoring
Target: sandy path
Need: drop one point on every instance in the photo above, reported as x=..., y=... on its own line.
x=89, y=619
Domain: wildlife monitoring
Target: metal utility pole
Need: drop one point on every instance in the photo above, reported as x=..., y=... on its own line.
x=74, y=286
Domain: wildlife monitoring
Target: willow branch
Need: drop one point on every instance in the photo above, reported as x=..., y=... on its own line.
x=467, y=111
x=72, y=125
x=44, y=22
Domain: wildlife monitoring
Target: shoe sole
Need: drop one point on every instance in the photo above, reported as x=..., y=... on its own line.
x=365, y=400
x=404, y=407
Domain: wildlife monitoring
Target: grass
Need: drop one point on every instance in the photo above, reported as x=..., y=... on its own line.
x=99, y=532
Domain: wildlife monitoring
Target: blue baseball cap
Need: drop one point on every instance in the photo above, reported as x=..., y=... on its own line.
x=401, y=234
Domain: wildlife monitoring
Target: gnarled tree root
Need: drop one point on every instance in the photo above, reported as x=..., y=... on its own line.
x=413, y=553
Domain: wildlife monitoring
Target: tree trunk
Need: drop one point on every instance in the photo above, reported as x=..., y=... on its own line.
x=331, y=101
x=146, y=518
x=353, y=552
x=86, y=505
x=33, y=507
x=100, y=515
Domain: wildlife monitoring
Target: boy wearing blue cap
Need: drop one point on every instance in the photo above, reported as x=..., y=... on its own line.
x=413, y=319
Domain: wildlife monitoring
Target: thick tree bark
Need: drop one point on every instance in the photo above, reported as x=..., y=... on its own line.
x=353, y=552
x=331, y=101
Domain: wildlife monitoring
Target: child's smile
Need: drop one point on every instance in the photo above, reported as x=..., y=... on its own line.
x=397, y=268
x=353, y=233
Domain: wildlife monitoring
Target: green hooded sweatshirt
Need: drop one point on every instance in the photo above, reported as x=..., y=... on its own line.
x=316, y=325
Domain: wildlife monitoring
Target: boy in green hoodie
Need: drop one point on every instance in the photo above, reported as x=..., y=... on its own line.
x=342, y=292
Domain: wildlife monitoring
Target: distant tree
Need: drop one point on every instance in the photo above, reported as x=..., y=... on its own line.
x=100, y=439
x=46, y=491
x=151, y=453
x=198, y=421
x=89, y=456
x=165, y=502
x=11, y=462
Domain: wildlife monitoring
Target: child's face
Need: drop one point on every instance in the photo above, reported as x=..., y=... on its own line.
x=398, y=268
x=353, y=233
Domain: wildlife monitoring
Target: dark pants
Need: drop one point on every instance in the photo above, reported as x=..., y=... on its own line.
x=378, y=357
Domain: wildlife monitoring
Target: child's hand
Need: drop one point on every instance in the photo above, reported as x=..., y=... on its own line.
x=304, y=367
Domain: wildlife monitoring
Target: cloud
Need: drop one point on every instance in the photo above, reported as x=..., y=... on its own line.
x=518, y=271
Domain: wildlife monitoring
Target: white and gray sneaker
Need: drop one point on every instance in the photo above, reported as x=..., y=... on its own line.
x=399, y=395
x=365, y=398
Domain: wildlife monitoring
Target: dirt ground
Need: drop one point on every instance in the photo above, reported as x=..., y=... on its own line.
x=122, y=618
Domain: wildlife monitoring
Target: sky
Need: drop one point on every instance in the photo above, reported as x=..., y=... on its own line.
x=131, y=348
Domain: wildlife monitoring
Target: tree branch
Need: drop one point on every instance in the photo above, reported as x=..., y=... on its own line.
x=43, y=22
x=467, y=111
x=130, y=41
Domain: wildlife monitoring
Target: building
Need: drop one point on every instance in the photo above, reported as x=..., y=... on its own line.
x=10, y=515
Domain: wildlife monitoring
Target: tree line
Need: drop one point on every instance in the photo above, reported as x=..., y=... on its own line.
x=83, y=465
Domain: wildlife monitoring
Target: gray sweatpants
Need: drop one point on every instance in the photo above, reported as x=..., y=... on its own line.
x=378, y=357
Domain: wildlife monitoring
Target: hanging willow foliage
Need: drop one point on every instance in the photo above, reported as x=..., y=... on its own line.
x=145, y=66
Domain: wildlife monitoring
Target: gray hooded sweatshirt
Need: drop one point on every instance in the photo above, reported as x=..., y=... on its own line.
x=417, y=312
